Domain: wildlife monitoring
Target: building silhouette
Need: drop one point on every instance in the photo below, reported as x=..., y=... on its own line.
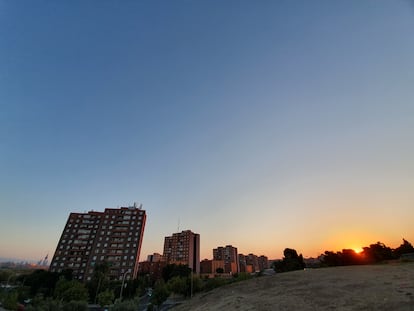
x=183, y=248
x=113, y=236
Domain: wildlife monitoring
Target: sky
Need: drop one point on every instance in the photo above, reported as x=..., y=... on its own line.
x=260, y=124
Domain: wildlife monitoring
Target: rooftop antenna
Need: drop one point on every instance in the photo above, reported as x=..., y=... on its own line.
x=178, y=226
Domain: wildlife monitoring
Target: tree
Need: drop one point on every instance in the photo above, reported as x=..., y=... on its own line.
x=404, y=248
x=106, y=298
x=332, y=259
x=377, y=252
x=100, y=280
x=172, y=270
x=41, y=281
x=291, y=261
x=178, y=285
x=10, y=301
x=160, y=293
x=70, y=290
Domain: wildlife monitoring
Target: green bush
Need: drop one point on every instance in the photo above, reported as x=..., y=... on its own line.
x=106, y=298
x=160, y=293
x=10, y=300
x=214, y=283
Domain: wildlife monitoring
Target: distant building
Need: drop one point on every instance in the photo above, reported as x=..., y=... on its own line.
x=152, y=269
x=183, y=248
x=252, y=260
x=263, y=262
x=242, y=263
x=229, y=255
x=155, y=257
x=113, y=236
x=253, y=263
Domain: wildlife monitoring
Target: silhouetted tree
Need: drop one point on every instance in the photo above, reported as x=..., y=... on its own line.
x=172, y=270
x=350, y=257
x=404, y=248
x=332, y=259
x=291, y=261
x=41, y=281
x=377, y=252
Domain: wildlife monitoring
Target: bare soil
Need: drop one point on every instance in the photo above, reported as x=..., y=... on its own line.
x=377, y=287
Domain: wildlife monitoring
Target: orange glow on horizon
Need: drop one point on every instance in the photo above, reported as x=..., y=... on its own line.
x=357, y=250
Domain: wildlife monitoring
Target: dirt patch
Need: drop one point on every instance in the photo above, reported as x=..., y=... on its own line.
x=379, y=287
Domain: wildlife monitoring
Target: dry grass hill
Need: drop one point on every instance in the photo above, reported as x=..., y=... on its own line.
x=377, y=287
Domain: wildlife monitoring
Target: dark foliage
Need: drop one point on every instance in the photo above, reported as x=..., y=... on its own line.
x=404, y=248
x=375, y=253
x=291, y=261
x=174, y=270
x=42, y=282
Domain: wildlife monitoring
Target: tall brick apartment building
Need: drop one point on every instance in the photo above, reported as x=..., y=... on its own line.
x=114, y=236
x=183, y=248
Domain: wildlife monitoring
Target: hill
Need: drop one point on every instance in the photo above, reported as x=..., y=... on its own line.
x=376, y=287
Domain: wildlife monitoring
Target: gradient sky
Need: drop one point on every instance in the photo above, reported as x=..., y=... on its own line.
x=261, y=124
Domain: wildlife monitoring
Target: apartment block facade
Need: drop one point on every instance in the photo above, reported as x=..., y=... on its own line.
x=113, y=236
x=211, y=267
x=253, y=263
x=183, y=248
x=229, y=255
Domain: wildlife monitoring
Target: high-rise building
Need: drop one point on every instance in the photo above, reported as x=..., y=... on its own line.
x=183, y=248
x=113, y=236
x=230, y=257
x=252, y=260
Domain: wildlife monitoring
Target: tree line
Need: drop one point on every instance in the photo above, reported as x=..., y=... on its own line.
x=43, y=290
x=374, y=253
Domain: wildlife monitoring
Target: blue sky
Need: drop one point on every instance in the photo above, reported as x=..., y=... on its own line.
x=264, y=125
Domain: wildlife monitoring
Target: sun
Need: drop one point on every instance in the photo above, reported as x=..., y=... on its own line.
x=357, y=250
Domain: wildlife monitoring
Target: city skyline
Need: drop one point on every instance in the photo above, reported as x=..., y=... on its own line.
x=260, y=125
